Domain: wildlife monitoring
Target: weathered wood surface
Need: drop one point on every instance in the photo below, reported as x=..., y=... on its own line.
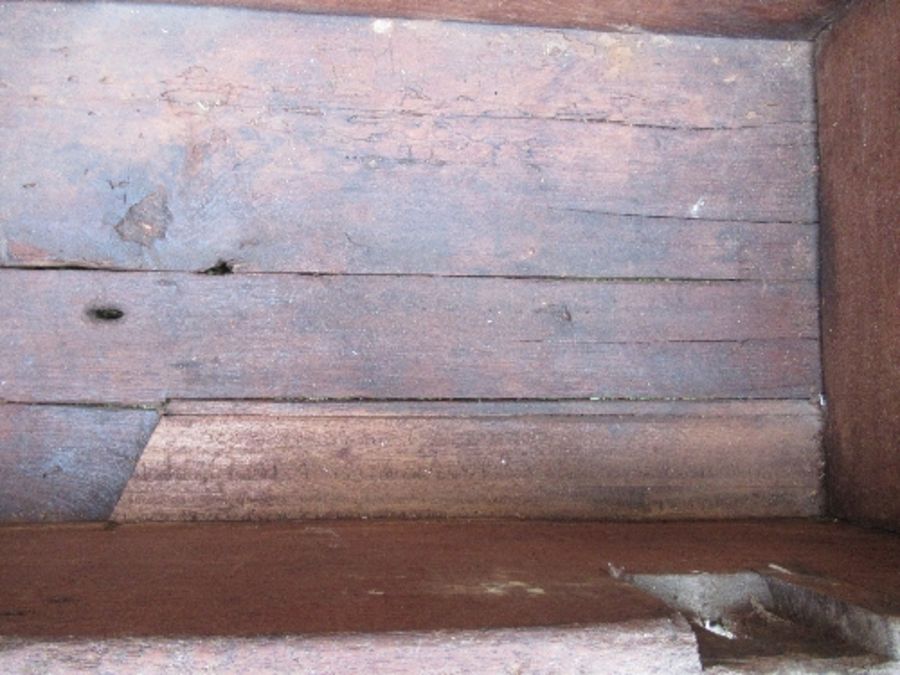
x=173, y=138
x=415, y=211
x=639, y=460
x=859, y=108
x=487, y=408
x=67, y=463
x=287, y=336
x=662, y=645
x=797, y=19
x=275, y=579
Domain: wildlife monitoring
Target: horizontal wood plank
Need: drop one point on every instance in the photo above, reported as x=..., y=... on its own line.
x=489, y=408
x=184, y=579
x=67, y=463
x=645, y=645
x=638, y=460
x=741, y=18
x=342, y=145
x=72, y=336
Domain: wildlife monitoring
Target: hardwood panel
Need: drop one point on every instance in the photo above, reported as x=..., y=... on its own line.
x=687, y=460
x=173, y=138
x=286, y=578
x=661, y=645
x=67, y=463
x=742, y=18
x=859, y=100
x=111, y=337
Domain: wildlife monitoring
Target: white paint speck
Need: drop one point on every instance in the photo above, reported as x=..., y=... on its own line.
x=699, y=204
x=779, y=568
x=382, y=26
x=718, y=629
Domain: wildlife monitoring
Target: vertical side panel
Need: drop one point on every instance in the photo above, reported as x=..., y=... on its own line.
x=859, y=112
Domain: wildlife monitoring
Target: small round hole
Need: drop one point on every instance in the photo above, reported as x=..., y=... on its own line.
x=105, y=313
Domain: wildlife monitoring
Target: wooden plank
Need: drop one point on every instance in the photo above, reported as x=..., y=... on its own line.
x=288, y=578
x=741, y=18
x=66, y=463
x=691, y=460
x=286, y=336
x=343, y=145
x=487, y=408
x=645, y=646
x=859, y=98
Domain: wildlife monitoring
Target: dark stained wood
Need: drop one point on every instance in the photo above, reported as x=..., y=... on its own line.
x=859, y=105
x=67, y=463
x=741, y=18
x=287, y=336
x=638, y=460
x=660, y=645
x=173, y=138
x=242, y=579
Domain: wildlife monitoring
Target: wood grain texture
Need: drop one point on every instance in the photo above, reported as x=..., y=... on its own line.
x=66, y=463
x=485, y=408
x=859, y=104
x=287, y=336
x=661, y=645
x=288, y=578
x=172, y=138
x=639, y=460
x=801, y=19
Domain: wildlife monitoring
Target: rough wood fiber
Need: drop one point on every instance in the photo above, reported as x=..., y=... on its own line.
x=662, y=645
x=173, y=138
x=801, y=19
x=275, y=579
x=859, y=108
x=287, y=336
x=67, y=463
x=639, y=460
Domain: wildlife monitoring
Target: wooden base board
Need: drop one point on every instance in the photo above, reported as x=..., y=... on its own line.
x=324, y=577
x=240, y=460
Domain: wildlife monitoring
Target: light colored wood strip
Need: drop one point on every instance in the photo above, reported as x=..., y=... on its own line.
x=652, y=644
x=488, y=408
x=637, y=465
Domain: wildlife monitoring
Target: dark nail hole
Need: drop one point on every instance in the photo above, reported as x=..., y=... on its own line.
x=105, y=313
x=221, y=268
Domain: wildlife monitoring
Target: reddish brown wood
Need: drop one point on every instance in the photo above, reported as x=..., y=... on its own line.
x=67, y=463
x=859, y=100
x=742, y=18
x=640, y=460
x=235, y=579
x=173, y=138
x=285, y=336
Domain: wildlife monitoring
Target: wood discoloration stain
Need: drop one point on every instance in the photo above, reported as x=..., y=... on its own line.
x=147, y=221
